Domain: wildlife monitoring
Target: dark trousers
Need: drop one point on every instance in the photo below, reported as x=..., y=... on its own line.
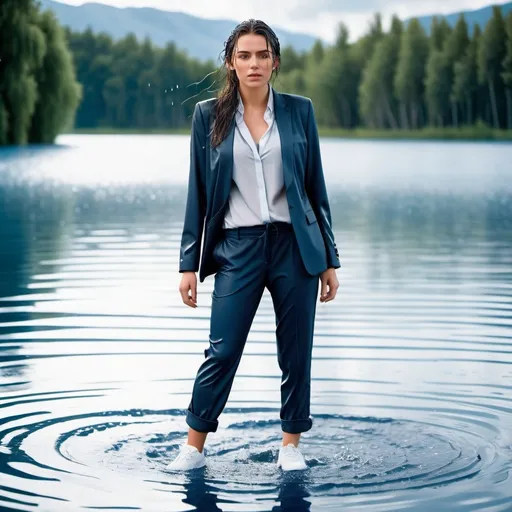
x=252, y=258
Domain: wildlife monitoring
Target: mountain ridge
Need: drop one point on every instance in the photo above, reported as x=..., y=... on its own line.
x=477, y=16
x=201, y=38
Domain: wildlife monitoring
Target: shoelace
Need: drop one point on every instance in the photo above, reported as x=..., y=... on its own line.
x=291, y=452
x=185, y=454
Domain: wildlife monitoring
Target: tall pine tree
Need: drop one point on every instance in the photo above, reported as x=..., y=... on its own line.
x=455, y=48
x=438, y=73
x=376, y=93
x=440, y=29
x=465, y=84
x=491, y=54
x=409, y=85
x=507, y=71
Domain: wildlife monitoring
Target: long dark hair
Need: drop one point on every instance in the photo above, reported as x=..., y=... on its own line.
x=227, y=99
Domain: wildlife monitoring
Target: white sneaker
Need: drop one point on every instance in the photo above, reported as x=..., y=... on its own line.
x=290, y=458
x=188, y=458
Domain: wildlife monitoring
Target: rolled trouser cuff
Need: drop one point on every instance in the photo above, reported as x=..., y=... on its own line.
x=296, y=426
x=200, y=424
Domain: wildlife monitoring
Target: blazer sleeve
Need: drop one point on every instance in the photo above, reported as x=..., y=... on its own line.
x=190, y=249
x=316, y=189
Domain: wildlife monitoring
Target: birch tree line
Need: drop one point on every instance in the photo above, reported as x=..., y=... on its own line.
x=53, y=79
x=403, y=79
x=408, y=79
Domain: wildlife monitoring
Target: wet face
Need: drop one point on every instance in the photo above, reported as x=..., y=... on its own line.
x=253, y=60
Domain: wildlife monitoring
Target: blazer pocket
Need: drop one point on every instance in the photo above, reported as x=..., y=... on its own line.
x=310, y=216
x=216, y=248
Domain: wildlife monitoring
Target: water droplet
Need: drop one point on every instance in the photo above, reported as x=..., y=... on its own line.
x=172, y=103
x=177, y=86
x=149, y=84
x=165, y=91
x=172, y=89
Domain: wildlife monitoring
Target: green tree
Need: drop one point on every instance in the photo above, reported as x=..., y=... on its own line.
x=94, y=61
x=317, y=52
x=507, y=71
x=437, y=87
x=174, y=74
x=437, y=80
x=127, y=67
x=439, y=32
x=361, y=53
x=457, y=42
x=409, y=78
x=58, y=92
x=4, y=124
x=455, y=48
x=291, y=59
x=313, y=63
x=23, y=48
x=465, y=84
x=335, y=90
x=447, y=47
x=368, y=42
x=145, y=106
x=491, y=53
x=114, y=96
x=293, y=82
x=376, y=93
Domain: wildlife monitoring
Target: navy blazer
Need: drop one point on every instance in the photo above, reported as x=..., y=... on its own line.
x=210, y=177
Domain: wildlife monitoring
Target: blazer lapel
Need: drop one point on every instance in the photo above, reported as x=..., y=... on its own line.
x=222, y=168
x=284, y=124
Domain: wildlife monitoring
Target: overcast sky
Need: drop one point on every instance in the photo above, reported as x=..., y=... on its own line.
x=317, y=17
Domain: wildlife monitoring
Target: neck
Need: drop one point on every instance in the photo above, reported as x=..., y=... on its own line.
x=254, y=98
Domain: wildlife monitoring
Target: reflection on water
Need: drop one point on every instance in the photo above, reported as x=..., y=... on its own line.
x=412, y=363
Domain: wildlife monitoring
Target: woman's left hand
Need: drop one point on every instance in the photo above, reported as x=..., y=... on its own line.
x=330, y=285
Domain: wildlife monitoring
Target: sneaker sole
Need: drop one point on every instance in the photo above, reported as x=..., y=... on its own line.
x=292, y=469
x=178, y=470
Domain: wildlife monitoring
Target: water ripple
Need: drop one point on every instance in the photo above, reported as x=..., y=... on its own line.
x=412, y=364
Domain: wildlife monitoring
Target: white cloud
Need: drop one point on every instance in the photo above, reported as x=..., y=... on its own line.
x=319, y=17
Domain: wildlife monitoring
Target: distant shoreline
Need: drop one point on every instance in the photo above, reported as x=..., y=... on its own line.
x=471, y=133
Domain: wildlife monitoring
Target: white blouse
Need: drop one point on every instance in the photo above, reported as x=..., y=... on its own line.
x=258, y=193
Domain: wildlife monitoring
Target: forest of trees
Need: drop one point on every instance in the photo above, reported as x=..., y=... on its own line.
x=403, y=79
x=131, y=84
x=38, y=90
x=406, y=79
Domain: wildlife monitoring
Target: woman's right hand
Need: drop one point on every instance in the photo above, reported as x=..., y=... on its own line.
x=189, y=284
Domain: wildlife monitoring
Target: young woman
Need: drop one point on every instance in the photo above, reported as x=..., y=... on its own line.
x=256, y=183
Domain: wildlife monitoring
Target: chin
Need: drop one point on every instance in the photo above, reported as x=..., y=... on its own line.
x=254, y=84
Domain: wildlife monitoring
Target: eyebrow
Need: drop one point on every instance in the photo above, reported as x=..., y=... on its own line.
x=259, y=51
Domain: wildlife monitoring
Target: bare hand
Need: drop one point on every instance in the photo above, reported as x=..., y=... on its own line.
x=189, y=284
x=330, y=285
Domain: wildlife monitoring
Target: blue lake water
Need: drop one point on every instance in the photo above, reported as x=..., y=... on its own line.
x=412, y=368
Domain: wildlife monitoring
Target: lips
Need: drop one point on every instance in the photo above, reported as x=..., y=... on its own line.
x=254, y=76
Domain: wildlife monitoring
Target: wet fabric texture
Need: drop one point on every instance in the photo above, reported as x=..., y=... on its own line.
x=252, y=259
